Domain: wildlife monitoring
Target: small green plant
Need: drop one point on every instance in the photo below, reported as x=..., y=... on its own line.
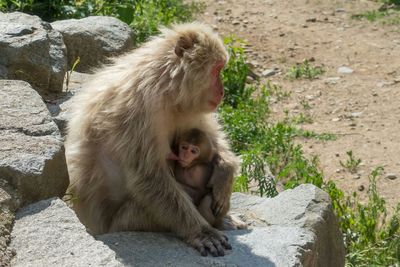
x=304, y=70
x=305, y=104
x=276, y=90
x=351, y=164
x=69, y=73
x=311, y=134
x=302, y=118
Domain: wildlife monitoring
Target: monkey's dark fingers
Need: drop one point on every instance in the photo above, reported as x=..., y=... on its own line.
x=223, y=239
x=213, y=249
x=218, y=245
x=225, y=243
x=198, y=245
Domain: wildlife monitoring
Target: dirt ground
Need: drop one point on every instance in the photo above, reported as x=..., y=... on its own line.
x=361, y=108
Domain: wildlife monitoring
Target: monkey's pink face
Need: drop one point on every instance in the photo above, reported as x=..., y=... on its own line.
x=187, y=153
x=216, y=87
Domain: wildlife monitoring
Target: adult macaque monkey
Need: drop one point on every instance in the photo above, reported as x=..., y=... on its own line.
x=121, y=131
x=197, y=170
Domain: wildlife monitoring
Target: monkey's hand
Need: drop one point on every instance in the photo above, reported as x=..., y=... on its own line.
x=209, y=240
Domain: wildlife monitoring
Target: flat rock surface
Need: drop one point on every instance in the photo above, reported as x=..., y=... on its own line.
x=48, y=233
x=293, y=229
x=31, y=149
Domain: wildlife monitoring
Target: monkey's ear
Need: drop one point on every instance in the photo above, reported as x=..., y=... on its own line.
x=185, y=42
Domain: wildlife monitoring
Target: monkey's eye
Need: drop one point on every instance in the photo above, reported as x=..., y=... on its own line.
x=195, y=151
x=184, y=147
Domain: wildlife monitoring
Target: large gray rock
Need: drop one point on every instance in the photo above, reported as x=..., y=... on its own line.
x=32, y=51
x=94, y=39
x=9, y=201
x=48, y=233
x=306, y=207
x=31, y=149
x=297, y=228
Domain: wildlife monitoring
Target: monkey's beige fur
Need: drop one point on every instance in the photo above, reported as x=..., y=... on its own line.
x=122, y=129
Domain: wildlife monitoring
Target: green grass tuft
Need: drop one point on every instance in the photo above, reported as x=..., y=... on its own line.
x=314, y=135
x=351, y=164
x=304, y=70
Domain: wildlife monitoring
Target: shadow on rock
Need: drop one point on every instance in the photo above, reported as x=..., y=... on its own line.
x=162, y=249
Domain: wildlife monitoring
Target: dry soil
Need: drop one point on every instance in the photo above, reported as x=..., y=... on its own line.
x=361, y=108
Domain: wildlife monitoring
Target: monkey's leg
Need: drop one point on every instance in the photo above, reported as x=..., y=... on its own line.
x=222, y=221
x=132, y=217
x=205, y=209
x=170, y=206
x=225, y=222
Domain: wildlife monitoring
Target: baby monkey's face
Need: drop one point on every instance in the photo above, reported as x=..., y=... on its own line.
x=188, y=153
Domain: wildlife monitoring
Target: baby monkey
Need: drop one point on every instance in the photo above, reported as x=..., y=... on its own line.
x=196, y=170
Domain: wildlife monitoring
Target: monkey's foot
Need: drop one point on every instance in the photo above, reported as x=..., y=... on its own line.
x=231, y=222
x=210, y=240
